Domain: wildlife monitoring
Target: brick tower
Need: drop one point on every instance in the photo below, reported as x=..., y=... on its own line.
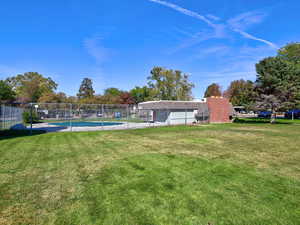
x=220, y=109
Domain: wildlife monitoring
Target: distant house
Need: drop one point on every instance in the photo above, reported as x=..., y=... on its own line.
x=214, y=110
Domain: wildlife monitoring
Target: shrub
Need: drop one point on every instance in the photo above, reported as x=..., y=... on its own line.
x=27, y=119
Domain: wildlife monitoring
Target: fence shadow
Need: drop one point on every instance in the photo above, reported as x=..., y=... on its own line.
x=46, y=129
x=8, y=134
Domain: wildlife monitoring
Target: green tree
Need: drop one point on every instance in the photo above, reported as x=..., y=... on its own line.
x=53, y=98
x=111, y=96
x=278, y=80
x=30, y=86
x=240, y=93
x=141, y=94
x=290, y=53
x=213, y=90
x=169, y=84
x=86, y=90
x=6, y=92
x=112, y=91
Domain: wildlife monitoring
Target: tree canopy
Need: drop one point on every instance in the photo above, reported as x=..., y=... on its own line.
x=213, y=90
x=51, y=97
x=170, y=84
x=278, y=79
x=6, y=92
x=141, y=94
x=240, y=93
x=30, y=86
x=112, y=91
x=86, y=90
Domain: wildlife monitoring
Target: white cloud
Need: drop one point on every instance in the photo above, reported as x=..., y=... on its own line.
x=96, y=50
x=242, y=21
x=234, y=64
x=216, y=49
x=195, y=39
x=245, y=20
x=236, y=24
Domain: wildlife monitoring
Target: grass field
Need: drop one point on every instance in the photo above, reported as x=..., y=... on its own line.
x=223, y=174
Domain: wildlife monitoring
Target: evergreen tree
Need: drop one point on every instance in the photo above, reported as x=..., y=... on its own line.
x=86, y=89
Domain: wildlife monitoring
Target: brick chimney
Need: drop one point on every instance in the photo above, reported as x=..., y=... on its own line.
x=220, y=109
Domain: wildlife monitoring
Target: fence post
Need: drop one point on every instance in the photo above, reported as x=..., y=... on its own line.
x=185, y=116
x=103, y=116
x=127, y=109
x=31, y=119
x=71, y=117
x=2, y=118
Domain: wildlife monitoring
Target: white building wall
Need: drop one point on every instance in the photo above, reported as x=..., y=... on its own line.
x=181, y=117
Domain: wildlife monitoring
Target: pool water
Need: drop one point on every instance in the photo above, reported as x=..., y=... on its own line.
x=85, y=124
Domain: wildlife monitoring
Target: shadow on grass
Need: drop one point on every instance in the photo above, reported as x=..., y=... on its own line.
x=260, y=121
x=7, y=134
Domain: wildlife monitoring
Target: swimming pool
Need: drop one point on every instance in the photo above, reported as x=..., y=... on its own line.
x=85, y=124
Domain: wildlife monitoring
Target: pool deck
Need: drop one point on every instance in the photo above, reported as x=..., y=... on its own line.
x=126, y=125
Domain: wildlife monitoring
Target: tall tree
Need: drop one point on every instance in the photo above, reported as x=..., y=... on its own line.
x=213, y=90
x=170, y=84
x=86, y=90
x=240, y=93
x=141, y=94
x=30, y=86
x=278, y=80
x=6, y=92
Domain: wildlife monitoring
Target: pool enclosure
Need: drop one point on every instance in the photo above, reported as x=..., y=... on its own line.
x=88, y=117
x=10, y=117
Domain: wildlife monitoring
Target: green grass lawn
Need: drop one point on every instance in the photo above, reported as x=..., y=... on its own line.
x=233, y=174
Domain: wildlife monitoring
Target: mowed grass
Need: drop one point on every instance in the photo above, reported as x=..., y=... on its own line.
x=221, y=174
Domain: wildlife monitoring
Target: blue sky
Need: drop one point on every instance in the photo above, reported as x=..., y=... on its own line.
x=117, y=42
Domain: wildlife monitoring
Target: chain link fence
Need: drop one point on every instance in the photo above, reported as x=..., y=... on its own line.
x=89, y=117
x=10, y=117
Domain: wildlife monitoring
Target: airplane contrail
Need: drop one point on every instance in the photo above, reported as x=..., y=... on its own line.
x=210, y=23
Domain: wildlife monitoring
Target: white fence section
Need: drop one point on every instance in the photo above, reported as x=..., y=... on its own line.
x=10, y=116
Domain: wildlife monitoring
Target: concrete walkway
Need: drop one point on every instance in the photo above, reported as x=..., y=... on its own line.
x=126, y=125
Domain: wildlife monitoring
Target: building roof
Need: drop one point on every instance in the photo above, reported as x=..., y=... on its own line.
x=163, y=104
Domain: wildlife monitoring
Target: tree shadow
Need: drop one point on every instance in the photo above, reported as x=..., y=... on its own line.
x=8, y=134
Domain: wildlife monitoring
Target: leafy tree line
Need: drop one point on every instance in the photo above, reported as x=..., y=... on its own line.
x=277, y=86
x=163, y=84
